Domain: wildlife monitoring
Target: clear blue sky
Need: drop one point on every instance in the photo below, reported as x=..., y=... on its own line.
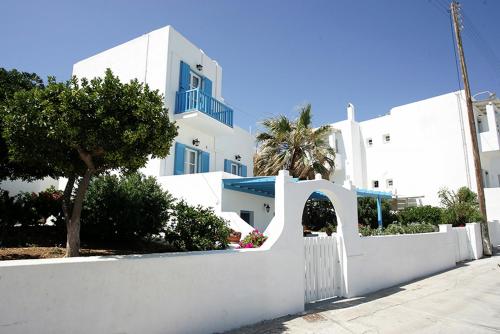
x=275, y=54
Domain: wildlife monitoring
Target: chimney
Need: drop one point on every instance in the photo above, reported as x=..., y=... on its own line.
x=350, y=112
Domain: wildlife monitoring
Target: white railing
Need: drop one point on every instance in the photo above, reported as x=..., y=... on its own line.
x=322, y=268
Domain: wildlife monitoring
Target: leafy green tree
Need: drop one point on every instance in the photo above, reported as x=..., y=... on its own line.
x=460, y=207
x=12, y=81
x=296, y=146
x=79, y=129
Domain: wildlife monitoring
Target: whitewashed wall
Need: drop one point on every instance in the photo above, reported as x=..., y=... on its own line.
x=17, y=186
x=203, y=292
x=430, y=148
x=492, y=197
x=199, y=292
x=206, y=189
x=468, y=245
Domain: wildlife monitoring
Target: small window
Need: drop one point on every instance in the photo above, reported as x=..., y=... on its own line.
x=247, y=216
x=387, y=138
x=375, y=184
x=389, y=183
x=191, y=162
x=234, y=169
x=369, y=141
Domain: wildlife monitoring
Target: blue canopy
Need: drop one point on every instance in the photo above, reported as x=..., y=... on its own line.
x=264, y=186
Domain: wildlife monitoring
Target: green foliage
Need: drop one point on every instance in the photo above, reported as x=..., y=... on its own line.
x=35, y=208
x=420, y=214
x=460, y=207
x=124, y=208
x=296, y=146
x=367, y=212
x=254, y=239
x=11, y=82
x=27, y=210
x=101, y=124
x=392, y=229
x=83, y=128
x=195, y=229
x=318, y=215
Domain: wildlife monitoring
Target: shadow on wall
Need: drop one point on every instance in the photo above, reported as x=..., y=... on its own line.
x=313, y=310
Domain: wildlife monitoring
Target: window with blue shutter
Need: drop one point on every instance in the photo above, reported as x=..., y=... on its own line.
x=235, y=168
x=180, y=149
x=205, y=162
x=227, y=166
x=184, y=77
x=207, y=86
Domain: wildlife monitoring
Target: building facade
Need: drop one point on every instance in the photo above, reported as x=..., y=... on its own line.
x=191, y=83
x=419, y=148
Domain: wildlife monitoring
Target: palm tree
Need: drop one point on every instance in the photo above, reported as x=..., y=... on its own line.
x=294, y=145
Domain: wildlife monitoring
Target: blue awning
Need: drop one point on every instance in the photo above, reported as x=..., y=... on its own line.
x=264, y=186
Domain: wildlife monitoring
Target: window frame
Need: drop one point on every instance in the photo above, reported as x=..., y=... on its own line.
x=237, y=167
x=187, y=162
x=250, y=216
x=194, y=75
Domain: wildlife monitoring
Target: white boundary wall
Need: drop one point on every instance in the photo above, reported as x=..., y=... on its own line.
x=468, y=244
x=205, y=292
x=492, y=196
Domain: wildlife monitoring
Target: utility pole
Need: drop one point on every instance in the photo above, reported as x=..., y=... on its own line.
x=455, y=9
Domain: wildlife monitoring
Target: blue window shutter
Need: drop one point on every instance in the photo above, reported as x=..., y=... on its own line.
x=184, y=77
x=227, y=166
x=243, y=170
x=205, y=162
x=207, y=86
x=180, y=149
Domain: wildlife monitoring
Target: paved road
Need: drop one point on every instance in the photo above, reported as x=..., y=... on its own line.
x=462, y=300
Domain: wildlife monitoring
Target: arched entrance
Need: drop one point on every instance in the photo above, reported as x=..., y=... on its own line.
x=321, y=256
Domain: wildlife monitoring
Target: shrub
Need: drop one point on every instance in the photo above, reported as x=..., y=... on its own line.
x=29, y=209
x=420, y=214
x=124, y=208
x=254, y=239
x=367, y=212
x=393, y=229
x=460, y=207
x=420, y=228
x=195, y=229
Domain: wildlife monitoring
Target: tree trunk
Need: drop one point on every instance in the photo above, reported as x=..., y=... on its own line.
x=73, y=224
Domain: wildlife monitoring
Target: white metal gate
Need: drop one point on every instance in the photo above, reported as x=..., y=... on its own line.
x=322, y=268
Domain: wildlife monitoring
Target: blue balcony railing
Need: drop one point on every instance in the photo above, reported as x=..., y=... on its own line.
x=196, y=100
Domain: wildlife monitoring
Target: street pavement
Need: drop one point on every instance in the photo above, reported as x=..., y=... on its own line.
x=465, y=299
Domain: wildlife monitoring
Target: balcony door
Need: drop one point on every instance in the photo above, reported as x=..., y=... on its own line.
x=195, y=81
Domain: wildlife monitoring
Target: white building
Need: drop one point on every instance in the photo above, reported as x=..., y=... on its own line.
x=209, y=144
x=418, y=148
x=191, y=83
